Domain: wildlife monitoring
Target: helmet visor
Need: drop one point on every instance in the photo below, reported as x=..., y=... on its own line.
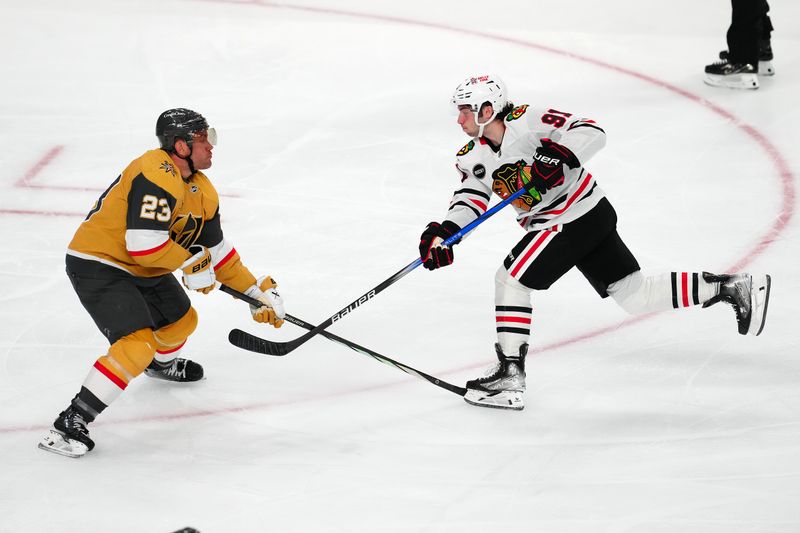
x=209, y=135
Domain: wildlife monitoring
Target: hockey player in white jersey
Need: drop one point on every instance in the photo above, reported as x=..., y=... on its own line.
x=568, y=223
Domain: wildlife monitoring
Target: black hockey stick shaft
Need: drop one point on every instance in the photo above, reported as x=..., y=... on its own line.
x=352, y=345
x=240, y=338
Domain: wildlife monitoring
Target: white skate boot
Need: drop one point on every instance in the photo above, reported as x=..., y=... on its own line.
x=504, y=387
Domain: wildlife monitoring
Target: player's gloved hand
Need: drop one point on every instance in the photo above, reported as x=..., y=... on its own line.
x=431, y=251
x=272, y=312
x=198, y=271
x=547, y=169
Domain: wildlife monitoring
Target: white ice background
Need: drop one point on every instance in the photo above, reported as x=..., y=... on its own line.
x=336, y=148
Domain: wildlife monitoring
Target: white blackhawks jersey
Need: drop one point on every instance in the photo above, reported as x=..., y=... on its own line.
x=483, y=171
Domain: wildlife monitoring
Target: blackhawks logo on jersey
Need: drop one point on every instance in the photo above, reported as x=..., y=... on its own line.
x=509, y=178
x=516, y=113
x=186, y=229
x=467, y=147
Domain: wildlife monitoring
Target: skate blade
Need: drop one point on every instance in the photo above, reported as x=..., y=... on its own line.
x=765, y=68
x=56, y=443
x=497, y=400
x=733, y=81
x=760, y=302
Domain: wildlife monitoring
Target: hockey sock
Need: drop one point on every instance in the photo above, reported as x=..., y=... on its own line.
x=88, y=405
x=638, y=294
x=513, y=312
x=100, y=388
x=164, y=357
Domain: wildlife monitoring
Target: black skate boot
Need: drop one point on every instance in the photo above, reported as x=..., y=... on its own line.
x=748, y=295
x=69, y=435
x=179, y=369
x=765, y=57
x=732, y=75
x=503, y=388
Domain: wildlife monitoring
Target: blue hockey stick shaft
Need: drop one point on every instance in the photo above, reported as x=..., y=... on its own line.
x=250, y=342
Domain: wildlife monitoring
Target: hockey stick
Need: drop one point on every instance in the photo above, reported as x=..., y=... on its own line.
x=242, y=339
x=353, y=346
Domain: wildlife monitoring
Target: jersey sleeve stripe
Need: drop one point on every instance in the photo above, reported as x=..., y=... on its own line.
x=225, y=259
x=476, y=192
x=464, y=204
x=221, y=253
x=145, y=241
x=478, y=203
x=138, y=253
x=584, y=125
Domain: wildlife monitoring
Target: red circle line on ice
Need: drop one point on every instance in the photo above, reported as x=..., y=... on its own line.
x=781, y=166
x=779, y=224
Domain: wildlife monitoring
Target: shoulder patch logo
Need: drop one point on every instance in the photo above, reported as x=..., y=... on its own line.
x=516, y=113
x=467, y=147
x=168, y=168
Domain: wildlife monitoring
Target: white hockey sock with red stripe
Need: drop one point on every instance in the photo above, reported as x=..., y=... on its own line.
x=639, y=294
x=512, y=312
x=167, y=356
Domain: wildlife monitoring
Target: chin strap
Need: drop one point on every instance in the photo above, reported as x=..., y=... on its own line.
x=484, y=124
x=188, y=160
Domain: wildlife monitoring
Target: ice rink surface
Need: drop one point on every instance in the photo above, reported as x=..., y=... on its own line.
x=336, y=148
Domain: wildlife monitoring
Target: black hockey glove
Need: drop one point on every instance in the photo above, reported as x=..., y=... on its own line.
x=547, y=169
x=437, y=256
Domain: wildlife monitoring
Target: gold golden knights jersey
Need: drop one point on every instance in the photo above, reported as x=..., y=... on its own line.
x=147, y=219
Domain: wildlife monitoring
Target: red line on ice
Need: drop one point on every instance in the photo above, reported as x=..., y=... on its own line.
x=780, y=164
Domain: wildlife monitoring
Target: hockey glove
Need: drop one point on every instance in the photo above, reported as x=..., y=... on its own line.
x=431, y=251
x=198, y=272
x=547, y=169
x=272, y=311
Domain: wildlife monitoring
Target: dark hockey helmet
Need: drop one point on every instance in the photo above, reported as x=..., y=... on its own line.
x=179, y=123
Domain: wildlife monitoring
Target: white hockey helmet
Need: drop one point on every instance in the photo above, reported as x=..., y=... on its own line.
x=478, y=90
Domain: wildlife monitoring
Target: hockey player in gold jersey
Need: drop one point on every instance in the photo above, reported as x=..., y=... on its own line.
x=160, y=215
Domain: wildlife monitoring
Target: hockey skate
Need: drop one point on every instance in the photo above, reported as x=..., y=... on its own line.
x=503, y=388
x=749, y=296
x=732, y=75
x=765, y=57
x=179, y=370
x=69, y=436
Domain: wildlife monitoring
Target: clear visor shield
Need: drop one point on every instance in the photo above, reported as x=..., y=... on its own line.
x=209, y=135
x=458, y=108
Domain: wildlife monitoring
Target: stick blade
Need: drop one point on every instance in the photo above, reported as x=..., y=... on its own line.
x=246, y=341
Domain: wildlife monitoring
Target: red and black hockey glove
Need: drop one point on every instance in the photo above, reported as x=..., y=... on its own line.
x=431, y=251
x=547, y=169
